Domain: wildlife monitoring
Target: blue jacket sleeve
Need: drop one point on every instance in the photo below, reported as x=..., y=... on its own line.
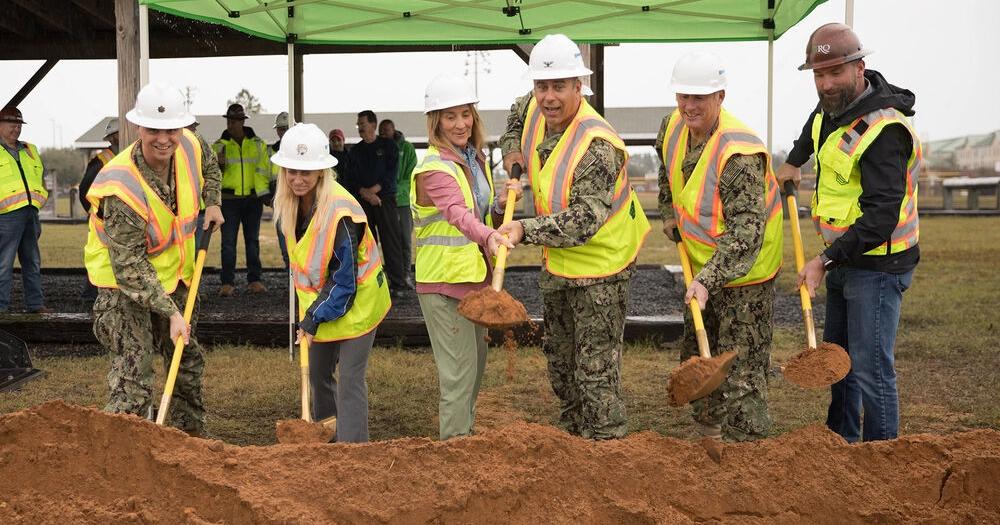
x=337, y=295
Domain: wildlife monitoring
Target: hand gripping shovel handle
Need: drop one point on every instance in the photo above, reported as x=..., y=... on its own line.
x=508, y=213
x=192, y=296
x=800, y=262
x=699, y=323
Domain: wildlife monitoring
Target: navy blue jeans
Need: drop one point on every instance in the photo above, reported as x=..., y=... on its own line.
x=862, y=314
x=246, y=211
x=19, y=232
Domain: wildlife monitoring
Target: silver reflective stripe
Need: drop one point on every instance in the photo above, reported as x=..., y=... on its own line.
x=672, y=141
x=421, y=222
x=851, y=137
x=528, y=143
x=10, y=201
x=711, y=181
x=695, y=231
x=562, y=169
x=443, y=240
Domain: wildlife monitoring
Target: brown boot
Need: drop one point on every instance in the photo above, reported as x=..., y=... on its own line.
x=226, y=290
x=257, y=287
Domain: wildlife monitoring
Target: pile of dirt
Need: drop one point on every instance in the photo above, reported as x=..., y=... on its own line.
x=291, y=431
x=818, y=367
x=493, y=309
x=65, y=464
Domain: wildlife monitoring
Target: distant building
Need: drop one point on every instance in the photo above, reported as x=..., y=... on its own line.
x=968, y=153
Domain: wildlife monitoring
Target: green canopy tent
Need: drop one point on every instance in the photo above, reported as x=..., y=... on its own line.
x=435, y=22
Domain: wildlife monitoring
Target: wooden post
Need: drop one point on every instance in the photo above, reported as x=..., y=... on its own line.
x=127, y=45
x=593, y=58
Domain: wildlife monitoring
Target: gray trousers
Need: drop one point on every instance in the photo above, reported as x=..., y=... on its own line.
x=460, y=354
x=348, y=398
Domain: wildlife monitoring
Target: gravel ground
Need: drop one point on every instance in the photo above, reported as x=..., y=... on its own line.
x=654, y=292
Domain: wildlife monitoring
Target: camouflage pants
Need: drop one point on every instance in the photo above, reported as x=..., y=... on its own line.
x=132, y=335
x=583, y=345
x=738, y=320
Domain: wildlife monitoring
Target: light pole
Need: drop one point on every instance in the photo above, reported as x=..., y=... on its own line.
x=472, y=66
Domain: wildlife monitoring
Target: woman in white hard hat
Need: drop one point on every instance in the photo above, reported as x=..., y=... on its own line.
x=452, y=198
x=343, y=294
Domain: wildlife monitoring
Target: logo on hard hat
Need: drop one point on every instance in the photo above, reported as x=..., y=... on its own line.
x=161, y=109
x=548, y=63
x=301, y=149
x=823, y=48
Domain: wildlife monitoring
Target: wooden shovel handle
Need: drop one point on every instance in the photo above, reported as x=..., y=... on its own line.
x=699, y=323
x=192, y=297
x=508, y=213
x=800, y=262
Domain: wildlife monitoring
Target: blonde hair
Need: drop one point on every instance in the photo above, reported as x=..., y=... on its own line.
x=436, y=137
x=286, y=204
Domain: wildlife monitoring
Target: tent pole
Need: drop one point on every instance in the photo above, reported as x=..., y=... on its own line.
x=291, y=80
x=143, y=45
x=849, y=13
x=770, y=89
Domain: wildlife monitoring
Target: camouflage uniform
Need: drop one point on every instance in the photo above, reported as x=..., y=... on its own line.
x=132, y=321
x=737, y=319
x=584, y=318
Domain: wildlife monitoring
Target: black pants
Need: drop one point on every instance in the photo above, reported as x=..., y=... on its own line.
x=384, y=224
x=245, y=211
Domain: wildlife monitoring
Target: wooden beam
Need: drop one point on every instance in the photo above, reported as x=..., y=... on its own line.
x=19, y=22
x=53, y=14
x=127, y=45
x=597, y=79
x=97, y=10
x=32, y=82
x=523, y=51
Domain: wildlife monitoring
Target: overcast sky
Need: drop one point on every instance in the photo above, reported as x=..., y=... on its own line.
x=945, y=52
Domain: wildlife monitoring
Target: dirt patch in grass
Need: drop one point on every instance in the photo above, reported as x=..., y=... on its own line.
x=61, y=463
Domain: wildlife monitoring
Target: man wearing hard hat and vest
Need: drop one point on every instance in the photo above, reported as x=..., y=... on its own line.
x=246, y=177
x=865, y=208
x=591, y=226
x=717, y=192
x=22, y=194
x=140, y=253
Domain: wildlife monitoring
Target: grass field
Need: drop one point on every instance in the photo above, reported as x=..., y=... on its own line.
x=948, y=355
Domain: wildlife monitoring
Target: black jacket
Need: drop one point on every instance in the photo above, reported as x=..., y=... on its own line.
x=883, y=179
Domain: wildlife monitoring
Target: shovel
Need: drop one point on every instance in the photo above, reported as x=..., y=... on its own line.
x=304, y=430
x=698, y=376
x=816, y=366
x=192, y=296
x=491, y=306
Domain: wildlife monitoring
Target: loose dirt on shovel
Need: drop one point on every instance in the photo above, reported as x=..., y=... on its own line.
x=297, y=431
x=818, y=367
x=493, y=309
x=692, y=376
x=67, y=464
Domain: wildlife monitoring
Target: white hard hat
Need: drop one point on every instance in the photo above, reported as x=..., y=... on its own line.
x=111, y=128
x=304, y=147
x=281, y=120
x=160, y=106
x=556, y=56
x=698, y=73
x=448, y=91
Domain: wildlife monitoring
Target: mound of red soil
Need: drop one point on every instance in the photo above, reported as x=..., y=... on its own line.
x=492, y=309
x=293, y=431
x=818, y=367
x=65, y=464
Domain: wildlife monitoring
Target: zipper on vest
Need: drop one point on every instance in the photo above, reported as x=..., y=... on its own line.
x=24, y=179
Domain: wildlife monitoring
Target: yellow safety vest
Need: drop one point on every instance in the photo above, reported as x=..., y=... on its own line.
x=310, y=256
x=444, y=253
x=835, y=204
x=616, y=244
x=105, y=156
x=248, y=166
x=13, y=194
x=697, y=204
x=169, y=236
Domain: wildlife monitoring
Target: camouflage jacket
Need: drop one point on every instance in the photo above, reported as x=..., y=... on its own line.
x=741, y=188
x=126, y=232
x=589, y=196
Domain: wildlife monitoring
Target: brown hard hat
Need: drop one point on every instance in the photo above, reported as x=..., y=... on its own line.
x=831, y=45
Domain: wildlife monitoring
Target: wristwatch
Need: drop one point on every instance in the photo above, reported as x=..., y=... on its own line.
x=828, y=263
